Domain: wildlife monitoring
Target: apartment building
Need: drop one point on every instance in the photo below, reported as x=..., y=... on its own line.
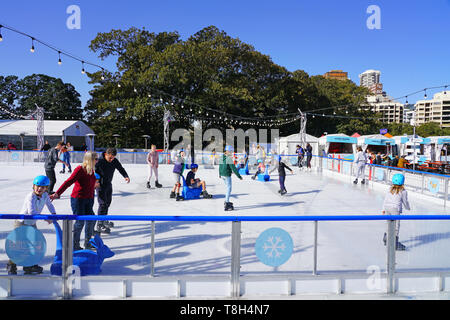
x=434, y=110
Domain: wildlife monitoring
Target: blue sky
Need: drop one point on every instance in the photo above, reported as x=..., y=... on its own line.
x=411, y=49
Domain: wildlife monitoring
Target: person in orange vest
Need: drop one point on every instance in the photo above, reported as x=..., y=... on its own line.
x=401, y=162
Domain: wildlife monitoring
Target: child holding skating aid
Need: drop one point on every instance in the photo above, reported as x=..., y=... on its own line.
x=33, y=204
x=396, y=198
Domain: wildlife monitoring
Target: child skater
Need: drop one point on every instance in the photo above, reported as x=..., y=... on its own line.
x=396, y=198
x=226, y=168
x=178, y=169
x=261, y=168
x=153, y=163
x=34, y=203
x=192, y=182
x=282, y=175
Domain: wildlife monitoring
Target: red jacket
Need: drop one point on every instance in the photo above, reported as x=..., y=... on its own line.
x=84, y=184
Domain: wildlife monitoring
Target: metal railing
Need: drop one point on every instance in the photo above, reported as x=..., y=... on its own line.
x=235, y=275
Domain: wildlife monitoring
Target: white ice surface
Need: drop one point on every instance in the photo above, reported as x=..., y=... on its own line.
x=204, y=247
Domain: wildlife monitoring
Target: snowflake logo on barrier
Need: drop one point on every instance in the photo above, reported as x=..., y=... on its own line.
x=274, y=247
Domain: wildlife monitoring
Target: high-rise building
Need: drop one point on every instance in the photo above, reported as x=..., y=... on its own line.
x=391, y=111
x=434, y=110
x=369, y=78
x=336, y=74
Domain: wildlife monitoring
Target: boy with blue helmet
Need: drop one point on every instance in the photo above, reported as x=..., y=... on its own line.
x=33, y=204
x=192, y=182
x=396, y=198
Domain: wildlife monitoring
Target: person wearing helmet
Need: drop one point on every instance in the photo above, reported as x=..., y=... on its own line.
x=192, y=182
x=34, y=203
x=226, y=169
x=395, y=200
x=260, y=169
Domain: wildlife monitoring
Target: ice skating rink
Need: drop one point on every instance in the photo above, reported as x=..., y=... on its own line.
x=204, y=247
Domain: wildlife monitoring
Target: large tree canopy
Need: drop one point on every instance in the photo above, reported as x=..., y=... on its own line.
x=60, y=100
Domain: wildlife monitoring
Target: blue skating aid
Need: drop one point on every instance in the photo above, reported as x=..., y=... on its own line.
x=264, y=176
x=88, y=261
x=244, y=171
x=190, y=193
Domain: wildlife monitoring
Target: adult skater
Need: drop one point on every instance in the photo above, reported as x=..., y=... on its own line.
x=50, y=163
x=300, y=155
x=105, y=167
x=226, y=168
x=360, y=161
x=65, y=156
x=396, y=198
x=153, y=163
x=33, y=204
x=82, y=198
x=308, y=156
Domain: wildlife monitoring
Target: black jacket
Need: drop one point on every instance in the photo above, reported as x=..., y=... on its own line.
x=106, y=170
x=281, y=169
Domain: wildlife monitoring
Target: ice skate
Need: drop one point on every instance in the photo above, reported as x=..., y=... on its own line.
x=109, y=224
x=363, y=181
x=283, y=192
x=62, y=171
x=173, y=195
x=206, y=195
x=399, y=246
x=179, y=198
x=33, y=269
x=158, y=185
x=102, y=228
x=11, y=268
x=356, y=181
x=228, y=206
x=148, y=185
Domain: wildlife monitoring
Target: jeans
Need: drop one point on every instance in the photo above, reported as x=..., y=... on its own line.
x=281, y=179
x=104, y=198
x=227, y=181
x=82, y=207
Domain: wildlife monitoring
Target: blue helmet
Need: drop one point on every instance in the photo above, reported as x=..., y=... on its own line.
x=398, y=179
x=279, y=158
x=41, y=181
x=97, y=176
x=260, y=161
x=229, y=148
x=194, y=166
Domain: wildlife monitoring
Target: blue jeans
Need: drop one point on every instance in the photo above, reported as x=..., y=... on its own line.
x=82, y=207
x=227, y=181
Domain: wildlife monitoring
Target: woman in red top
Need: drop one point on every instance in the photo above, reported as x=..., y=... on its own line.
x=82, y=198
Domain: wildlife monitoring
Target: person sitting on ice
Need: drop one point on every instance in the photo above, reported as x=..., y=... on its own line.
x=193, y=183
x=261, y=168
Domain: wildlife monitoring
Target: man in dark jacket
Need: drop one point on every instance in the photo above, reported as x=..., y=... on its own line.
x=50, y=163
x=105, y=168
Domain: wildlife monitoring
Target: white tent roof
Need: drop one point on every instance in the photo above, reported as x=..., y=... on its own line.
x=296, y=138
x=51, y=128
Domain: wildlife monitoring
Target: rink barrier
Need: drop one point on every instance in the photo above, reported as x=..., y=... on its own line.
x=236, y=281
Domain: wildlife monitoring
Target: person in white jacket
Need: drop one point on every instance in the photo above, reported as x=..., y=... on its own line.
x=360, y=161
x=33, y=204
x=396, y=199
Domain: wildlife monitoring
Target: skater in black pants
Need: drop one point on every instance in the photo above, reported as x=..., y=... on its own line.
x=282, y=175
x=105, y=168
x=50, y=163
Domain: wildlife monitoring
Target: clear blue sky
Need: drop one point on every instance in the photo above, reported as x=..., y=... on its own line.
x=411, y=49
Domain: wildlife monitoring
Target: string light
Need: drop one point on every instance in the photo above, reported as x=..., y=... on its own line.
x=1, y=37
x=32, y=45
x=59, y=58
x=82, y=68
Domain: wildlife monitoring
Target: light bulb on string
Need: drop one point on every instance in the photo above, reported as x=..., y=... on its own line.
x=1, y=37
x=82, y=68
x=425, y=95
x=59, y=58
x=32, y=45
